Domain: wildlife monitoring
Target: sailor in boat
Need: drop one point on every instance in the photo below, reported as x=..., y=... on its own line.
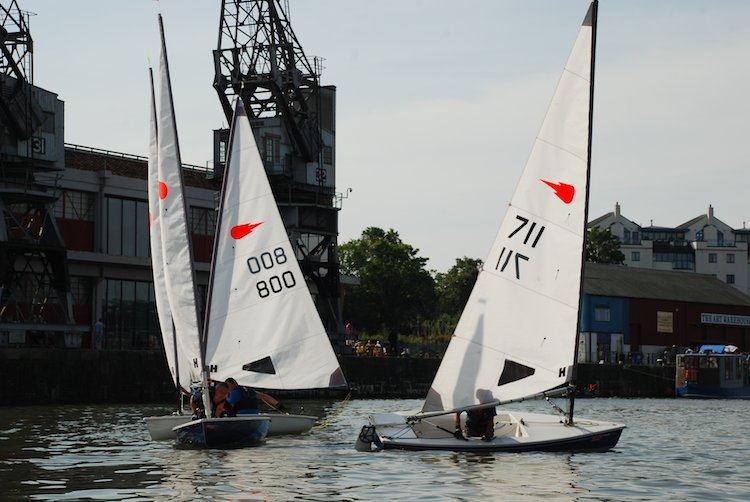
x=245, y=401
x=219, y=399
x=479, y=423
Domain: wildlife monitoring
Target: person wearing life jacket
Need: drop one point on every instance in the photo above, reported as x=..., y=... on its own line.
x=479, y=423
x=245, y=401
x=219, y=399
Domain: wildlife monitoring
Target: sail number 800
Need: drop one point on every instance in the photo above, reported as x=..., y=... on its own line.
x=267, y=261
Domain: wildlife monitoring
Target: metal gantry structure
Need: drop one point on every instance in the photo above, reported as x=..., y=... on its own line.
x=34, y=283
x=260, y=60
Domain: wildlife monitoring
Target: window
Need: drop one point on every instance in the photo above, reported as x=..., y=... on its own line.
x=327, y=155
x=202, y=220
x=127, y=227
x=602, y=313
x=635, y=256
x=730, y=278
x=626, y=234
x=271, y=152
x=130, y=318
x=699, y=235
x=711, y=257
x=75, y=205
x=48, y=125
x=636, y=238
x=719, y=237
x=730, y=257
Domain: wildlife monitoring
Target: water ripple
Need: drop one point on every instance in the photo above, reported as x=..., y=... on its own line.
x=672, y=449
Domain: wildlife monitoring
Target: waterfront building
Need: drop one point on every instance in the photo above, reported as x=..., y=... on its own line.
x=631, y=314
x=74, y=244
x=704, y=245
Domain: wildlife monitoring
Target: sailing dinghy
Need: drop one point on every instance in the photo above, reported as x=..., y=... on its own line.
x=262, y=327
x=517, y=336
x=170, y=241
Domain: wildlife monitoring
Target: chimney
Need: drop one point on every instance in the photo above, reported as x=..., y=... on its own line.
x=617, y=210
x=710, y=213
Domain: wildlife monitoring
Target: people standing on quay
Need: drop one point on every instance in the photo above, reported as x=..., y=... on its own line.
x=98, y=334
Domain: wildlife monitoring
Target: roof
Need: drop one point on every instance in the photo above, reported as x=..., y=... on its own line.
x=632, y=282
x=653, y=228
x=131, y=166
x=601, y=218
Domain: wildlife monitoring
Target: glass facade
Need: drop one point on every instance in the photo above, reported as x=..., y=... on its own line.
x=130, y=320
x=127, y=227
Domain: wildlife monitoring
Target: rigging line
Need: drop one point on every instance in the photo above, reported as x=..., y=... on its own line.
x=335, y=413
x=648, y=374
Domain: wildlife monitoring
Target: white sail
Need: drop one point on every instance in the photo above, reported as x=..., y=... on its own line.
x=175, y=237
x=517, y=334
x=262, y=327
x=164, y=315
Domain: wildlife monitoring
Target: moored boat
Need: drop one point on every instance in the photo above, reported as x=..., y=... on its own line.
x=714, y=372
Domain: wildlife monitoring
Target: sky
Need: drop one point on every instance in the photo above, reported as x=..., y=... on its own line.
x=438, y=101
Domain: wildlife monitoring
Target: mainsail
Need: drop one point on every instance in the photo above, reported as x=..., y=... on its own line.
x=172, y=215
x=180, y=374
x=517, y=334
x=262, y=327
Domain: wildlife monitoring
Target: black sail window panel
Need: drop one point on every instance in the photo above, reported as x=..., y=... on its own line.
x=264, y=365
x=513, y=371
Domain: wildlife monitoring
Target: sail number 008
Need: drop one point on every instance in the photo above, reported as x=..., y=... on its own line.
x=267, y=261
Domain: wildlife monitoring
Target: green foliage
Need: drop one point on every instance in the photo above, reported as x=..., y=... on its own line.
x=603, y=247
x=454, y=286
x=396, y=292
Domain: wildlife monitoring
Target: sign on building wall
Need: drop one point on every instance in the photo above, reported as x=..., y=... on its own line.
x=726, y=319
x=664, y=322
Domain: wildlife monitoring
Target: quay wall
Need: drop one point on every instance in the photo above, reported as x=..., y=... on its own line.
x=59, y=376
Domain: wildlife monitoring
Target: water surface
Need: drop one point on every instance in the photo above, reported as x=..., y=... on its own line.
x=672, y=449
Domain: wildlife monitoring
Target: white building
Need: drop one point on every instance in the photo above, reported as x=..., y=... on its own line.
x=704, y=244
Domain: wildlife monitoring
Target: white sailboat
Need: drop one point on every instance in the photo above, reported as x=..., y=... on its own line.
x=517, y=336
x=261, y=327
x=173, y=267
x=160, y=427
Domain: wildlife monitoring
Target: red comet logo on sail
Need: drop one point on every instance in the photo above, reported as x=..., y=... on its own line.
x=239, y=231
x=163, y=190
x=563, y=191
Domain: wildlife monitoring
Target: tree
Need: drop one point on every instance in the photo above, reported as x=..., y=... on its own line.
x=395, y=291
x=454, y=286
x=603, y=247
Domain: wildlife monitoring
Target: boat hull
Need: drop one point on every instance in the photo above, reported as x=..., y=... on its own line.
x=697, y=392
x=514, y=432
x=160, y=428
x=223, y=432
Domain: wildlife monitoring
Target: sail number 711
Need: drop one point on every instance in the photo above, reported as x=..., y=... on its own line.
x=530, y=237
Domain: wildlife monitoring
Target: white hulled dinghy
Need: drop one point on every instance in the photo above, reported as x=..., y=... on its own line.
x=295, y=351
x=517, y=336
x=262, y=327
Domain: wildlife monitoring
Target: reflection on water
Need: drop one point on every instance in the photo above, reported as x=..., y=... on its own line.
x=672, y=449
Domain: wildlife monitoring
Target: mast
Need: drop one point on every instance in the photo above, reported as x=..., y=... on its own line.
x=201, y=341
x=594, y=11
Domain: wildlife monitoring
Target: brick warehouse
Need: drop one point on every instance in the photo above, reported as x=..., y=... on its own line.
x=637, y=312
